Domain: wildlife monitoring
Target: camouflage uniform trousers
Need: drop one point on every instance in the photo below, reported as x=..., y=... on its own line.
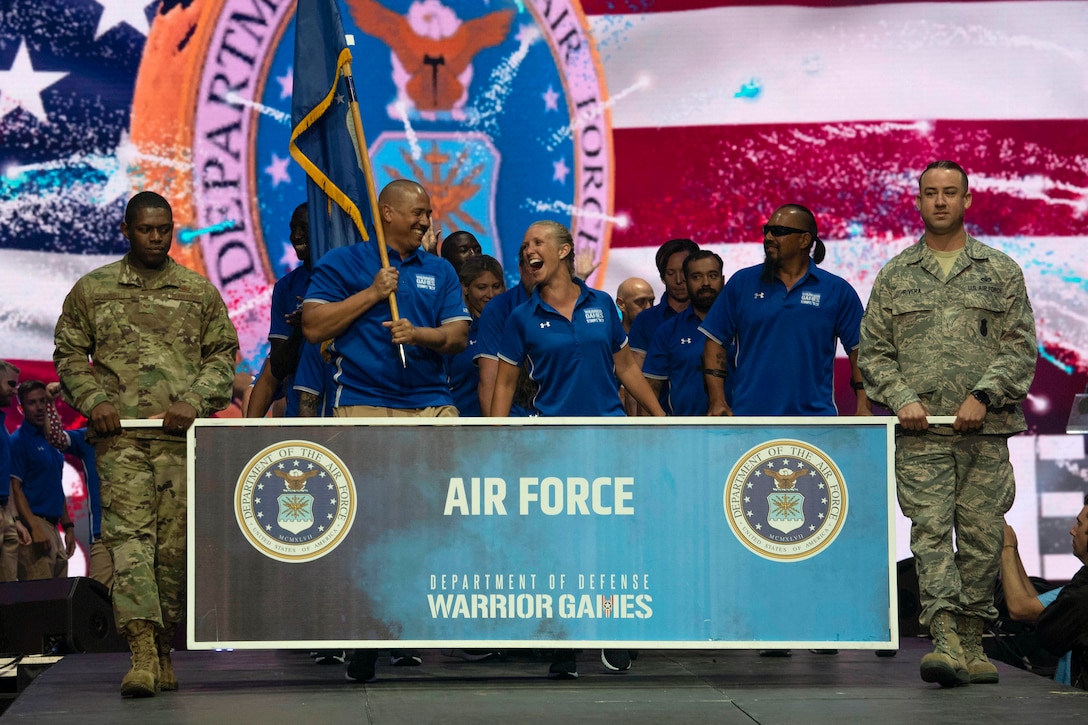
x=143, y=491
x=960, y=482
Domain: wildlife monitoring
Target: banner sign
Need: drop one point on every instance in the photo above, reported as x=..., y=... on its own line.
x=712, y=533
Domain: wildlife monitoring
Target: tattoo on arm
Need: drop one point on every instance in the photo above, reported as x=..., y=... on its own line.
x=307, y=405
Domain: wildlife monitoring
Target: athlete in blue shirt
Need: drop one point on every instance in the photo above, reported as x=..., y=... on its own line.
x=573, y=342
x=284, y=334
x=571, y=337
x=348, y=302
x=670, y=265
x=676, y=353
x=481, y=281
x=785, y=317
x=489, y=337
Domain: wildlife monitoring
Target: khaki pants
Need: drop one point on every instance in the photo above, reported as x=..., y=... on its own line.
x=373, y=411
x=9, y=545
x=47, y=560
x=100, y=565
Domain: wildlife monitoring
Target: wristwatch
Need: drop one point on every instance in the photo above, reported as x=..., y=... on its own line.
x=981, y=397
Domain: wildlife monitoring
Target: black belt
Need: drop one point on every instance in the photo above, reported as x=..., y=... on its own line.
x=52, y=519
x=3, y=500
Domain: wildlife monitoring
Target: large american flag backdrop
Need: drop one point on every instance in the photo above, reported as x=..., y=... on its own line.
x=634, y=121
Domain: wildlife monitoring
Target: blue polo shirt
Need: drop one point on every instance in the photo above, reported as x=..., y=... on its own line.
x=676, y=356
x=369, y=371
x=84, y=451
x=645, y=325
x=39, y=467
x=285, y=299
x=489, y=336
x=464, y=376
x=571, y=360
x=785, y=354
x=314, y=376
x=5, y=458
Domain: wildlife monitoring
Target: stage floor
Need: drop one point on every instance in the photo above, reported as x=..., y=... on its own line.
x=663, y=686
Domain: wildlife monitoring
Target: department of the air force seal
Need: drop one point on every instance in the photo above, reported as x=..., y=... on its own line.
x=785, y=500
x=295, y=501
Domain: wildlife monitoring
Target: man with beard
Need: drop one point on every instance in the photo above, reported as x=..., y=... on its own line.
x=785, y=317
x=676, y=351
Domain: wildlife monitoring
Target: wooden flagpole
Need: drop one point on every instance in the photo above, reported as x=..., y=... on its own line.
x=362, y=151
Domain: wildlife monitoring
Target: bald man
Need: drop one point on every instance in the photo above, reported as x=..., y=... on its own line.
x=348, y=302
x=632, y=297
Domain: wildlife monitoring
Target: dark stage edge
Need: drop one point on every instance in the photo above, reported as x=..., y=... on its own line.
x=663, y=686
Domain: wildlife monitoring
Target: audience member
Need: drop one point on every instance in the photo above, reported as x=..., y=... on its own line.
x=37, y=483
x=12, y=532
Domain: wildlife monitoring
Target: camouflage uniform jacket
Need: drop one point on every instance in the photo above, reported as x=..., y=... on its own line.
x=934, y=340
x=153, y=342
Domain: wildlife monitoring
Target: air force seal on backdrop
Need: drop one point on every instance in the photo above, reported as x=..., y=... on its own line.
x=785, y=500
x=295, y=501
x=499, y=108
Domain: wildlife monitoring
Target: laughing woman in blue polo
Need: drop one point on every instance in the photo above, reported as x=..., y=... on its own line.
x=570, y=336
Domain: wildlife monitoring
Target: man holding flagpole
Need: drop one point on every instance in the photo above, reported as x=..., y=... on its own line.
x=348, y=302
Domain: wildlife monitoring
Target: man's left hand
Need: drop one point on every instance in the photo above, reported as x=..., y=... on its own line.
x=177, y=418
x=402, y=330
x=969, y=416
x=69, y=541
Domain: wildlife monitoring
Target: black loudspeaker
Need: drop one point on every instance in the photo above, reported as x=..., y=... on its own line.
x=910, y=604
x=57, y=616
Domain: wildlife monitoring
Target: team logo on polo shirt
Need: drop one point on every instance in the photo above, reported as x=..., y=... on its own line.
x=295, y=501
x=785, y=500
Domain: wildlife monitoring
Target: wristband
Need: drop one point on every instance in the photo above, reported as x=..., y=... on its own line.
x=715, y=372
x=857, y=385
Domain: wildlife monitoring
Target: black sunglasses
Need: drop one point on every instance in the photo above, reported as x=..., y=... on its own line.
x=777, y=231
x=12, y=383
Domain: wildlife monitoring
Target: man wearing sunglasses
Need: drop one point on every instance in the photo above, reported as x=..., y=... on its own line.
x=785, y=317
x=949, y=331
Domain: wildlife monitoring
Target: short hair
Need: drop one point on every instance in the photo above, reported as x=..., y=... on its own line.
x=145, y=200
x=6, y=367
x=446, y=245
x=944, y=164
x=397, y=188
x=29, y=387
x=702, y=254
x=819, y=251
x=670, y=248
x=478, y=264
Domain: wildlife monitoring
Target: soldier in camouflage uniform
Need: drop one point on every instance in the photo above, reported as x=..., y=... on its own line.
x=949, y=332
x=162, y=347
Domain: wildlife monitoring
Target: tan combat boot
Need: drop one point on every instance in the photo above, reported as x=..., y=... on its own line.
x=142, y=679
x=979, y=669
x=168, y=681
x=945, y=664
